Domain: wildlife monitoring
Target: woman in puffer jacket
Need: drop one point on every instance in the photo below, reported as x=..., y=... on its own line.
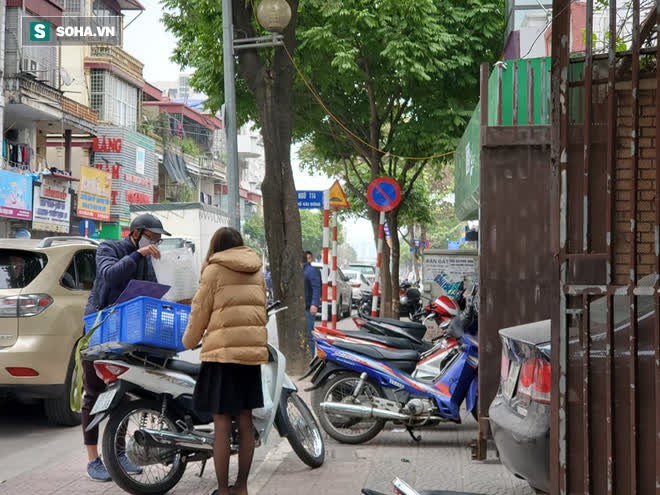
x=229, y=315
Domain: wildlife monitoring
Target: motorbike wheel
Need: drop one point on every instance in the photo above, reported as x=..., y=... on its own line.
x=346, y=429
x=300, y=428
x=156, y=477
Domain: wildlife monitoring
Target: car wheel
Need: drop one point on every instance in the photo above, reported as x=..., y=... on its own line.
x=340, y=312
x=347, y=313
x=58, y=410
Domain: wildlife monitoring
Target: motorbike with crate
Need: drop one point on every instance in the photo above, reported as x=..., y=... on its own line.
x=148, y=404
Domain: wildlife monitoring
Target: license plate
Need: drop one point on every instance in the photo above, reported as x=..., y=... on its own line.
x=103, y=401
x=511, y=379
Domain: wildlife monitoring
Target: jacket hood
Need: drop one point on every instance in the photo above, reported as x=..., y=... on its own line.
x=239, y=259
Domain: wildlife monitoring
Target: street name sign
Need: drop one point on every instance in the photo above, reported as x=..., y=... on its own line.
x=310, y=200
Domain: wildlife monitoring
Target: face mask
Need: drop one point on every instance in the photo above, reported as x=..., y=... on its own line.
x=144, y=242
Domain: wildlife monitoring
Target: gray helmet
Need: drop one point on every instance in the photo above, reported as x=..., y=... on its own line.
x=148, y=222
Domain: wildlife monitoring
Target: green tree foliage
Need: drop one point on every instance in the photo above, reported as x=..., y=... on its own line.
x=399, y=82
x=311, y=223
x=265, y=93
x=255, y=234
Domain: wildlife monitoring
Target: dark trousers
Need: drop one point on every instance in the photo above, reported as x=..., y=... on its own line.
x=93, y=387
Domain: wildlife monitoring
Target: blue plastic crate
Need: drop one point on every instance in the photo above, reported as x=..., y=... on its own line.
x=143, y=320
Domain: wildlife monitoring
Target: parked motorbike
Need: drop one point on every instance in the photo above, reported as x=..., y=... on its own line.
x=151, y=419
x=362, y=387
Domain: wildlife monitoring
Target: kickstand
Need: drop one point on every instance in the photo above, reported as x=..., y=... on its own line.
x=201, y=471
x=416, y=438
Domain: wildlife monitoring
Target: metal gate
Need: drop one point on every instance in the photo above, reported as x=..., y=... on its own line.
x=516, y=275
x=606, y=235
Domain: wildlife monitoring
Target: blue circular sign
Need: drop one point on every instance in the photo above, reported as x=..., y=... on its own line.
x=384, y=194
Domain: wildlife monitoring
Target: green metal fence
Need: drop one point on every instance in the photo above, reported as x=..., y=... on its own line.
x=518, y=94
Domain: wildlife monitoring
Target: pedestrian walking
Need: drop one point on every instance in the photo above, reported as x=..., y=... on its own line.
x=312, y=279
x=229, y=309
x=117, y=263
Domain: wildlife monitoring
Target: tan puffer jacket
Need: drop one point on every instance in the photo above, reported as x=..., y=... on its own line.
x=230, y=305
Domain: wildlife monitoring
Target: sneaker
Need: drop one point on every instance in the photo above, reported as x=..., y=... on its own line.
x=128, y=466
x=97, y=471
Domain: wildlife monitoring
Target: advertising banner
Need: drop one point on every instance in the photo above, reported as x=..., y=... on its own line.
x=94, y=196
x=52, y=206
x=448, y=269
x=15, y=195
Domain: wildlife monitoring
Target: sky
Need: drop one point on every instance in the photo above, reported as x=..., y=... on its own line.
x=157, y=67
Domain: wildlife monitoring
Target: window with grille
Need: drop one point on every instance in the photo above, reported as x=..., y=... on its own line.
x=115, y=100
x=73, y=7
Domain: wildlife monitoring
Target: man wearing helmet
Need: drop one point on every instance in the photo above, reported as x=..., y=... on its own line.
x=117, y=263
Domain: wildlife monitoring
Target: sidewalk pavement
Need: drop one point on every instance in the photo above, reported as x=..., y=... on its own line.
x=440, y=461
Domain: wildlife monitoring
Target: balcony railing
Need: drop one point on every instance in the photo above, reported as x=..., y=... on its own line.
x=118, y=58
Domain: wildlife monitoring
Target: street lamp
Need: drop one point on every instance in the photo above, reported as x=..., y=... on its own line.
x=274, y=16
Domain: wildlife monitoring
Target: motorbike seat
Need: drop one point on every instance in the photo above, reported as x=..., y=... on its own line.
x=412, y=325
x=191, y=369
x=397, y=342
x=380, y=353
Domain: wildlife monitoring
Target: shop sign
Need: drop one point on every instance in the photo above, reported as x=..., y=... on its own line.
x=95, y=194
x=104, y=144
x=15, y=195
x=51, y=214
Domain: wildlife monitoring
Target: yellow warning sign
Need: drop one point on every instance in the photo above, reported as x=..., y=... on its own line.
x=337, y=197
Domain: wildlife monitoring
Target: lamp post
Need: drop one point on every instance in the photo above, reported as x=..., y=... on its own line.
x=274, y=16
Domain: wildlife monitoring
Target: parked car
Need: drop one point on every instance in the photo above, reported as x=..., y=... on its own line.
x=344, y=294
x=358, y=283
x=520, y=413
x=369, y=271
x=44, y=286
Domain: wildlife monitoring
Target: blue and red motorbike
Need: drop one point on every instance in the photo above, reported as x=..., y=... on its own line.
x=358, y=388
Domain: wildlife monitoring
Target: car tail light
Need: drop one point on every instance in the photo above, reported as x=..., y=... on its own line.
x=24, y=305
x=504, y=367
x=15, y=371
x=526, y=377
x=356, y=284
x=109, y=372
x=542, y=382
x=534, y=381
x=402, y=292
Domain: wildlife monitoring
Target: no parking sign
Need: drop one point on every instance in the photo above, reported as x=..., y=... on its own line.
x=384, y=194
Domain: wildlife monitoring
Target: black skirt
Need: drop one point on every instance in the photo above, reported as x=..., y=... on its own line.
x=228, y=388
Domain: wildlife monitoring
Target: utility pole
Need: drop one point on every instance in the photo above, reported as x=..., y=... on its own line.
x=229, y=117
x=3, y=11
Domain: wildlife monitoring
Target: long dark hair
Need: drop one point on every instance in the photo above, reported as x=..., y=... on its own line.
x=223, y=239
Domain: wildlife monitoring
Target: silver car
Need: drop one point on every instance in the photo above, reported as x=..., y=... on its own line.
x=358, y=283
x=344, y=293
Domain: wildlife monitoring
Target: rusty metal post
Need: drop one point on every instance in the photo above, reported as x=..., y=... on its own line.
x=480, y=444
x=657, y=236
x=609, y=280
x=559, y=153
x=633, y=248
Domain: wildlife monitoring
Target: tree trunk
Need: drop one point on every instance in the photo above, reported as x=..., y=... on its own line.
x=272, y=86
